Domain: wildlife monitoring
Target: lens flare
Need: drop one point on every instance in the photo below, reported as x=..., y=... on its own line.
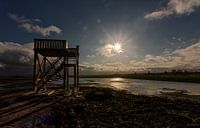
x=117, y=48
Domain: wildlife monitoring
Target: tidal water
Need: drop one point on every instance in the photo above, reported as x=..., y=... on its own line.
x=144, y=87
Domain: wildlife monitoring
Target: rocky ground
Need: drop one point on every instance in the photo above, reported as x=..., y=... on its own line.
x=104, y=107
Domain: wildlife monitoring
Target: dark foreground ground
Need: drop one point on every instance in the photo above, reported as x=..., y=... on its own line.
x=97, y=107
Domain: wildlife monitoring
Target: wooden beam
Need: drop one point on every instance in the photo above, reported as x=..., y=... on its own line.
x=44, y=79
x=53, y=66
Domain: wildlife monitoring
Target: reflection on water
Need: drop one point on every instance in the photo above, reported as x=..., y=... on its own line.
x=145, y=87
x=119, y=83
x=131, y=87
x=119, y=80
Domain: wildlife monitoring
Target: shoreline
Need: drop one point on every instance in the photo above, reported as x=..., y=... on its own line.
x=173, y=77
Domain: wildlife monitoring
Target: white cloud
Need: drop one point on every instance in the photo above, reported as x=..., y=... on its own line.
x=91, y=56
x=105, y=50
x=158, y=14
x=45, y=31
x=189, y=55
x=110, y=68
x=155, y=59
x=174, y=7
x=109, y=50
x=15, y=54
x=185, y=58
x=32, y=26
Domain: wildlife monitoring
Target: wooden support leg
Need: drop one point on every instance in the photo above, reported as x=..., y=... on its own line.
x=64, y=76
x=68, y=87
x=75, y=78
x=34, y=72
x=77, y=69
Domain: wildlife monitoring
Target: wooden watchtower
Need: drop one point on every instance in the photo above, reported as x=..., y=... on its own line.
x=52, y=60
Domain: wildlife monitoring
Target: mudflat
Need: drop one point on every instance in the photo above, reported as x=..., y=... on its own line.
x=96, y=107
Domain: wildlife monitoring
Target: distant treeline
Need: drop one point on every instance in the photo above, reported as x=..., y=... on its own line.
x=166, y=76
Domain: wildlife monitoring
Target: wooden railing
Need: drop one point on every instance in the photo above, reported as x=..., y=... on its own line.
x=50, y=44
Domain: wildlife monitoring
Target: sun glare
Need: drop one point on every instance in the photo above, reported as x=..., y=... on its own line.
x=117, y=47
x=111, y=49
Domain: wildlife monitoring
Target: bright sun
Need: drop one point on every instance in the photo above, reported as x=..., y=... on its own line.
x=117, y=48
x=111, y=49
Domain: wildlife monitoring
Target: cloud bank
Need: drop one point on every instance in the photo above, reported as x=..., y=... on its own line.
x=33, y=25
x=174, y=7
x=16, y=59
x=184, y=58
x=16, y=54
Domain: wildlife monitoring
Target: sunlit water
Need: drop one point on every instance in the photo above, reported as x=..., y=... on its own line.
x=143, y=87
x=134, y=86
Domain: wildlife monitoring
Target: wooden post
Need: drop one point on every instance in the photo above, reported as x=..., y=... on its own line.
x=35, y=72
x=64, y=64
x=67, y=66
x=77, y=70
x=75, y=77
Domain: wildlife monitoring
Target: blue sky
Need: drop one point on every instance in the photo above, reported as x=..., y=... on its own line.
x=153, y=35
